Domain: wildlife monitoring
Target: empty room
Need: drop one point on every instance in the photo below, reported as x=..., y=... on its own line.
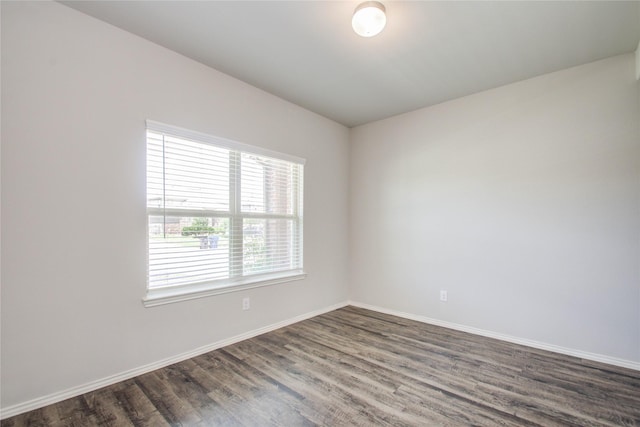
x=331, y=213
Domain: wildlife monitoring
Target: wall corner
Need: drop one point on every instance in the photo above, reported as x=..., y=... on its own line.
x=638, y=62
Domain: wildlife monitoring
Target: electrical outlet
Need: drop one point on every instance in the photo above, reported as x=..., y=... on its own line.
x=246, y=303
x=443, y=296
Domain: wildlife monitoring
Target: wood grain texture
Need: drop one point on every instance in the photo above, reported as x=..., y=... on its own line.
x=356, y=367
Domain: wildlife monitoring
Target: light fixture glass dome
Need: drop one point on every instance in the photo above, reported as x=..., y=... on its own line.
x=369, y=19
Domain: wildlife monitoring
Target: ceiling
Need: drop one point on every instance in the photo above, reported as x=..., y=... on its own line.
x=430, y=51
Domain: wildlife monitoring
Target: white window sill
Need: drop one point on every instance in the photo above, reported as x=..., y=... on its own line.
x=170, y=295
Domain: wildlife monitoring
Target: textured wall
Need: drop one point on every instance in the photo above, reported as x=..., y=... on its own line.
x=523, y=202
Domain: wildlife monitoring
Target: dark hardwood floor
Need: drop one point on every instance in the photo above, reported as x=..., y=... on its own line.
x=354, y=367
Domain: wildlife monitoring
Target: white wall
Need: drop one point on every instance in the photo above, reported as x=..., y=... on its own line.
x=75, y=96
x=522, y=202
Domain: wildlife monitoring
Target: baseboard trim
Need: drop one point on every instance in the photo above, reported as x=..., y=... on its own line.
x=49, y=399
x=508, y=338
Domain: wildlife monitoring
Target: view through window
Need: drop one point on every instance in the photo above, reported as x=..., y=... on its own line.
x=220, y=212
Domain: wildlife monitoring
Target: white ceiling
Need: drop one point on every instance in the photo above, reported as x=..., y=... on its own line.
x=430, y=52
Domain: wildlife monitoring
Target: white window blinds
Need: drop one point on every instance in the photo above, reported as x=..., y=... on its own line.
x=220, y=213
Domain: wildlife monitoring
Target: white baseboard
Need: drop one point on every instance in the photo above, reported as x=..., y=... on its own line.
x=508, y=338
x=49, y=399
x=95, y=385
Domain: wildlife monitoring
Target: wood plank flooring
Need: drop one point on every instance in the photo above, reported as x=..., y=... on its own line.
x=355, y=367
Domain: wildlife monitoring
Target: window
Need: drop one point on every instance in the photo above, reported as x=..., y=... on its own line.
x=222, y=215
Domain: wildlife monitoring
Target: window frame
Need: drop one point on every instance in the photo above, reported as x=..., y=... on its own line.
x=237, y=281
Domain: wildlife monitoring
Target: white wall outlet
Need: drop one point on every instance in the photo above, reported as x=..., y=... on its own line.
x=443, y=296
x=246, y=303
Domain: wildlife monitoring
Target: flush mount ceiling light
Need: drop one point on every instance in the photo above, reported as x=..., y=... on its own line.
x=369, y=19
